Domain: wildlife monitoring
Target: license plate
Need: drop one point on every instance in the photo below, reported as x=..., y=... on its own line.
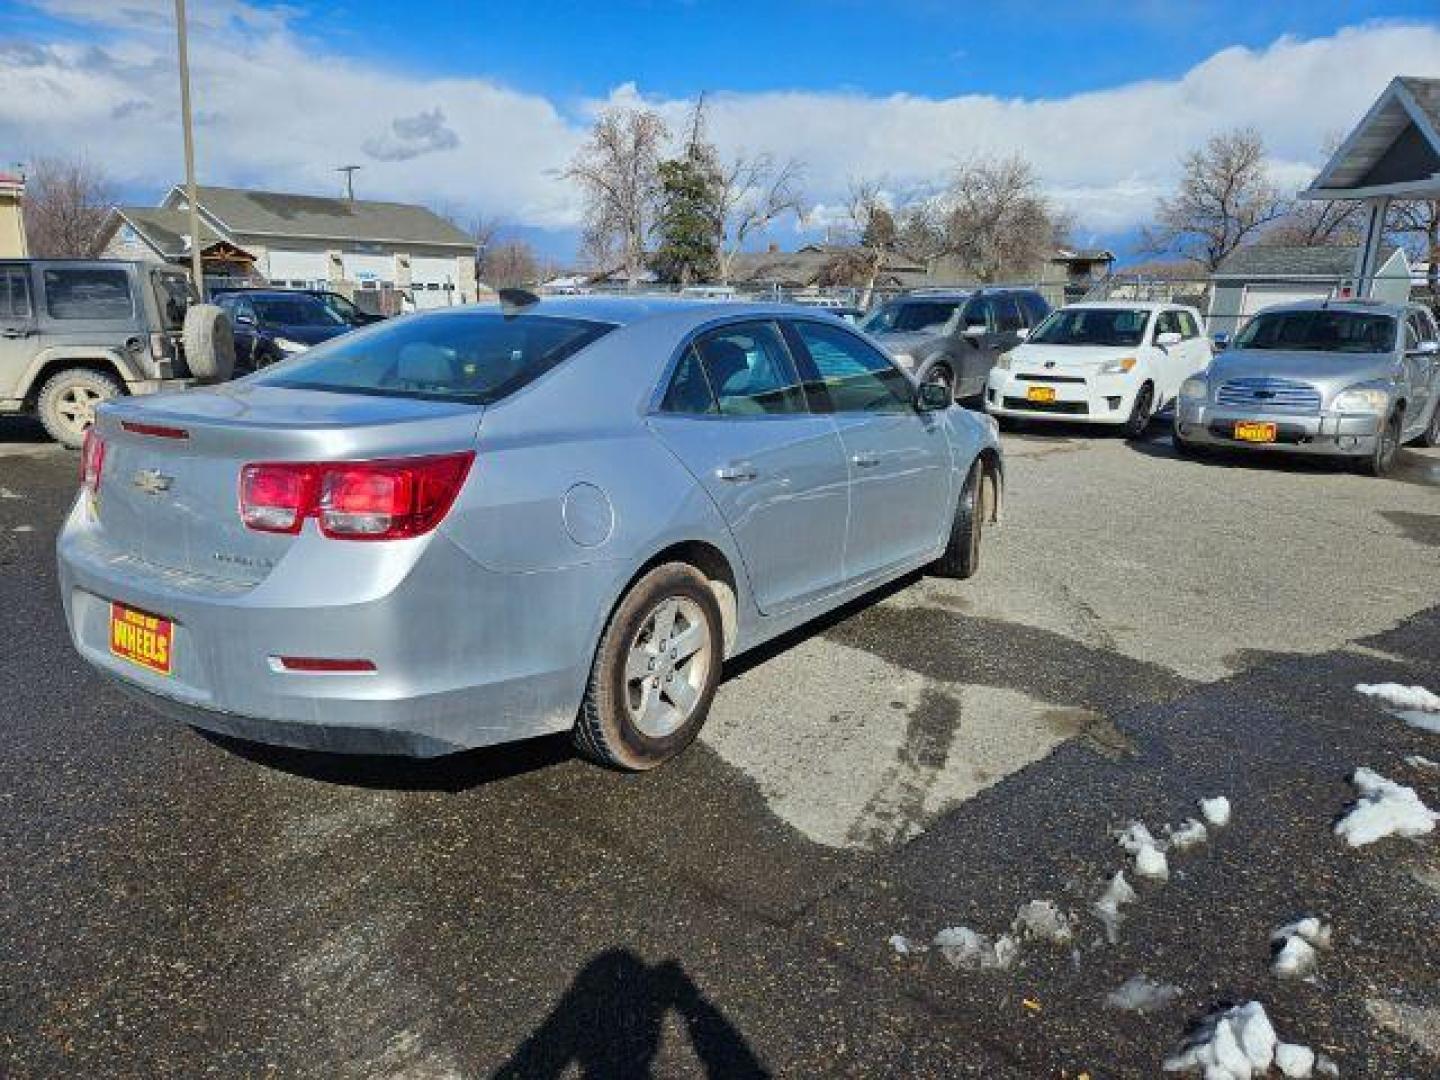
x=1040, y=393
x=141, y=638
x=1254, y=431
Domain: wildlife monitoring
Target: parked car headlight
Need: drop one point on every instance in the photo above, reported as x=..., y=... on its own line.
x=1122, y=366
x=1194, y=388
x=287, y=345
x=1362, y=399
x=1002, y=362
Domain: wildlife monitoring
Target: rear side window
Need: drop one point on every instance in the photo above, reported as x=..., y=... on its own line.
x=478, y=357
x=1034, y=307
x=1007, y=313
x=174, y=295
x=1168, y=322
x=689, y=391
x=750, y=371
x=1188, y=326
x=88, y=292
x=15, y=293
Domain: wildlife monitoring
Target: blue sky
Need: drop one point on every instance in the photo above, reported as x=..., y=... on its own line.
x=1103, y=98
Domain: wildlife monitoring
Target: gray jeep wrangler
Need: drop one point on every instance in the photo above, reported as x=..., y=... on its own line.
x=76, y=332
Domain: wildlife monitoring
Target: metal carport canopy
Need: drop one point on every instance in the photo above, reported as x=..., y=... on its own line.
x=1393, y=153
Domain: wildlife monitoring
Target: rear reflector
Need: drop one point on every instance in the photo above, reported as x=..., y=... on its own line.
x=353, y=500
x=158, y=431
x=323, y=663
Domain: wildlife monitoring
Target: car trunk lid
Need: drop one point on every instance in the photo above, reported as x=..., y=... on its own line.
x=170, y=485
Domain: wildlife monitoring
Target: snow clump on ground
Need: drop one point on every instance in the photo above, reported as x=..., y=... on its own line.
x=972, y=951
x=1384, y=808
x=1216, y=811
x=1116, y=895
x=1295, y=946
x=1141, y=994
x=1240, y=1043
x=1149, y=854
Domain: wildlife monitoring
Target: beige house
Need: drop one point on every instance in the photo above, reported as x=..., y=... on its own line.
x=352, y=246
x=12, y=219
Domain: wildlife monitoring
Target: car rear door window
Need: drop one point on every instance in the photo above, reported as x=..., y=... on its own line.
x=15, y=293
x=95, y=293
x=689, y=392
x=1007, y=314
x=1168, y=322
x=853, y=377
x=750, y=370
x=1189, y=328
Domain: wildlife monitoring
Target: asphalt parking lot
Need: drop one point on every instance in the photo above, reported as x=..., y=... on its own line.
x=1145, y=631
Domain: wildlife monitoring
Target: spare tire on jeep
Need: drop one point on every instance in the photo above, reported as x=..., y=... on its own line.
x=209, y=343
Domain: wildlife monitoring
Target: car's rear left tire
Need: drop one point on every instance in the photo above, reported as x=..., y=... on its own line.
x=961, y=558
x=68, y=400
x=655, y=671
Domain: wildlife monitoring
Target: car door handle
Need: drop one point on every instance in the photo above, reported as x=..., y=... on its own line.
x=865, y=461
x=736, y=472
x=13, y=332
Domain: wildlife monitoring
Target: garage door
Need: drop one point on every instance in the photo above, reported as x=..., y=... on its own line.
x=434, y=282
x=369, y=271
x=1260, y=297
x=297, y=269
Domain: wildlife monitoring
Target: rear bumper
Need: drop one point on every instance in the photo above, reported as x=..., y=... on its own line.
x=1324, y=435
x=1097, y=399
x=158, y=386
x=464, y=656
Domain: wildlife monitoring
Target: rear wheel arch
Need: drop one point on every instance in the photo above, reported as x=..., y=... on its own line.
x=717, y=569
x=46, y=369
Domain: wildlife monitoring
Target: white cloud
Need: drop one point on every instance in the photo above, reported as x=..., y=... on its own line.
x=275, y=110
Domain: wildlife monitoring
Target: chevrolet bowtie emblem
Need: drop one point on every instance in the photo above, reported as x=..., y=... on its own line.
x=152, y=481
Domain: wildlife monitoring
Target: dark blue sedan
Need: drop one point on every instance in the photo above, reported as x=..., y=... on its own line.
x=271, y=324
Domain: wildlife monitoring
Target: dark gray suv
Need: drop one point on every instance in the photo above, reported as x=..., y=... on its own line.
x=74, y=333
x=954, y=337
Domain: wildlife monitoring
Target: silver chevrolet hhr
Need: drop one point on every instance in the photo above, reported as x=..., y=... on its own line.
x=464, y=527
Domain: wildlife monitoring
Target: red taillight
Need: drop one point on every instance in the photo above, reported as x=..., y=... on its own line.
x=157, y=431
x=353, y=500
x=323, y=663
x=92, y=461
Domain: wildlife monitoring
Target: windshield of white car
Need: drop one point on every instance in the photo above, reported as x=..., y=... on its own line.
x=899, y=316
x=477, y=357
x=1122, y=327
x=1319, y=330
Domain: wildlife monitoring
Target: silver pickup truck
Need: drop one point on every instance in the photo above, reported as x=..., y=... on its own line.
x=1350, y=378
x=76, y=332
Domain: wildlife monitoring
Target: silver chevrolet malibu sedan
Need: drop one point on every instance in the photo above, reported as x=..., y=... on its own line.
x=465, y=527
x=1346, y=378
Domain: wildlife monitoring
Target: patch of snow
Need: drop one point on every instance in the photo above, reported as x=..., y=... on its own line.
x=1116, y=895
x=1294, y=960
x=1187, y=835
x=972, y=951
x=904, y=946
x=1142, y=994
x=1042, y=919
x=1325, y=1067
x=1297, y=1062
x=1423, y=763
x=1421, y=718
x=1234, y=1044
x=6, y=493
x=1310, y=929
x=23, y=529
x=1149, y=854
x=1402, y=697
x=1216, y=811
x=1384, y=808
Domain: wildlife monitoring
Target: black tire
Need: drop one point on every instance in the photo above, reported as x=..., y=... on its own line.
x=961, y=558
x=67, y=402
x=1139, y=420
x=1382, y=459
x=606, y=731
x=209, y=343
x=1431, y=435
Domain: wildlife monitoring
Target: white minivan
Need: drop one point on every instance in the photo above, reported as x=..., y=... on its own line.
x=1112, y=362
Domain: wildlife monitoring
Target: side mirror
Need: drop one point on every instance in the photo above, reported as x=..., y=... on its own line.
x=1221, y=342
x=933, y=397
x=1167, y=339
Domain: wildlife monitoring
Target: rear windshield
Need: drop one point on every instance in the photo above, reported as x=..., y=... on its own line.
x=469, y=356
x=294, y=311
x=1093, y=326
x=1319, y=330
x=909, y=315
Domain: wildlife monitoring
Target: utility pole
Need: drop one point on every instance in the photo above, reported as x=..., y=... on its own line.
x=197, y=269
x=349, y=171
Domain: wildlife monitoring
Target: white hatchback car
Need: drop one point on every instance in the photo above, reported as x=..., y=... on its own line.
x=1110, y=362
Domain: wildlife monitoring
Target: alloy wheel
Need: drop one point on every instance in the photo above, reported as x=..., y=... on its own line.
x=666, y=666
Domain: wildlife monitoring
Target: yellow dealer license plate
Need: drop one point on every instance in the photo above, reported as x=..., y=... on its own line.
x=1254, y=431
x=142, y=638
x=1040, y=393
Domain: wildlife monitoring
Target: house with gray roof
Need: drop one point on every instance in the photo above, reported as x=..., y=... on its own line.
x=1260, y=276
x=304, y=241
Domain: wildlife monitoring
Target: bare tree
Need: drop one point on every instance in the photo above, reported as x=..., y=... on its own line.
x=753, y=192
x=1315, y=223
x=1225, y=200
x=507, y=264
x=617, y=171
x=873, y=238
x=995, y=219
x=1416, y=224
x=66, y=202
